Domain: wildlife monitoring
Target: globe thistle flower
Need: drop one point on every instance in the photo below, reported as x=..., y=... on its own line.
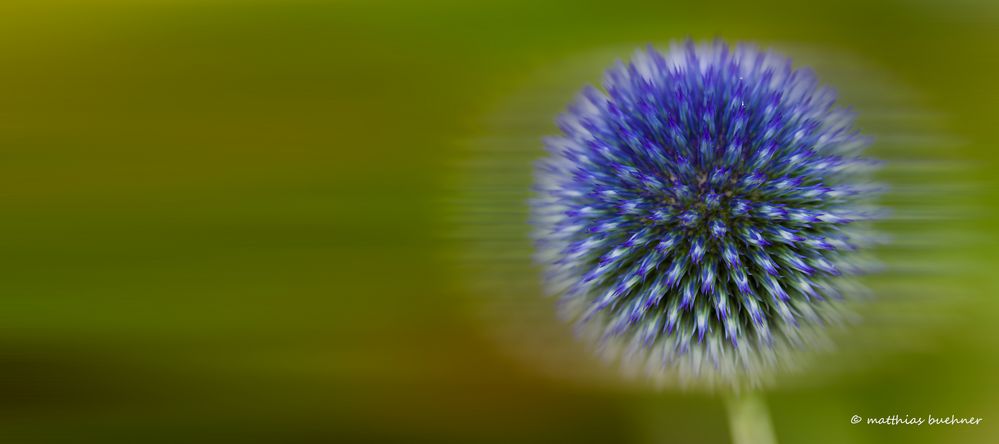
x=701, y=216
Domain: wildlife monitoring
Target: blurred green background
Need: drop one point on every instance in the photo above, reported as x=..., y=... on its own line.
x=222, y=221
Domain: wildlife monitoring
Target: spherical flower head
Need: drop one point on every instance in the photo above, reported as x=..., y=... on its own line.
x=701, y=215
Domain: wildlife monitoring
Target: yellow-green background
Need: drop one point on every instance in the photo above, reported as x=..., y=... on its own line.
x=220, y=220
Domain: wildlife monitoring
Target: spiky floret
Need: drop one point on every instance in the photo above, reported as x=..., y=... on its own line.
x=699, y=215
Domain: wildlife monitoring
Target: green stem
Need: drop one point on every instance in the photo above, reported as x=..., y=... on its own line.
x=749, y=420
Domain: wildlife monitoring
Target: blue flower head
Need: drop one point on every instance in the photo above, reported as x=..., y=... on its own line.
x=703, y=212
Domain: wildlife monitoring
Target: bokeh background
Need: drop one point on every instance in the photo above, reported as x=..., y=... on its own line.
x=233, y=221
